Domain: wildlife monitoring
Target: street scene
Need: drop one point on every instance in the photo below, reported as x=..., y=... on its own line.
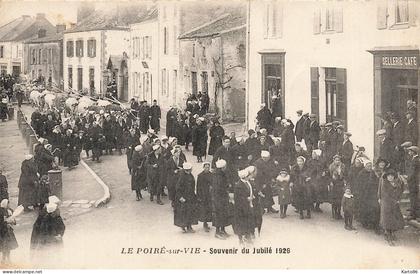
x=186, y=134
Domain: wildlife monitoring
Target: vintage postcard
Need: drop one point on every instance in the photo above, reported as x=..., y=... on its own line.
x=186, y=134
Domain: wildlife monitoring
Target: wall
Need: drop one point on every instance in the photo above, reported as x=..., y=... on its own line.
x=304, y=49
x=13, y=54
x=56, y=63
x=148, y=28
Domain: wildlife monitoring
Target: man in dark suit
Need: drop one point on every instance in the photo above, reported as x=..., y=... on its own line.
x=386, y=147
x=411, y=130
x=413, y=176
x=306, y=125
x=397, y=132
x=346, y=150
x=314, y=130
x=299, y=126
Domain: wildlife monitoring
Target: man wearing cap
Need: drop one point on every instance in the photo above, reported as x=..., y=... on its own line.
x=265, y=118
x=251, y=145
x=240, y=154
x=27, y=183
x=224, y=152
x=346, y=150
x=299, y=130
x=155, y=165
x=221, y=187
x=386, y=147
x=413, y=175
x=266, y=172
x=313, y=137
x=155, y=115
x=411, y=129
x=306, y=126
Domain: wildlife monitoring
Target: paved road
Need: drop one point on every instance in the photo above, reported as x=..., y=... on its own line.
x=96, y=239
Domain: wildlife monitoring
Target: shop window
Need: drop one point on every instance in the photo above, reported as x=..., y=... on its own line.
x=70, y=48
x=336, y=95
x=273, y=20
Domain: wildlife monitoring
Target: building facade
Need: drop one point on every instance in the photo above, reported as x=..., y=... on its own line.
x=212, y=58
x=86, y=58
x=143, y=59
x=44, y=58
x=12, y=38
x=316, y=57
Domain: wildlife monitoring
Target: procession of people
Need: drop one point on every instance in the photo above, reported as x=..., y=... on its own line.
x=302, y=165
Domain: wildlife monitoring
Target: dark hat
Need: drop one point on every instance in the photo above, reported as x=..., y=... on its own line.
x=390, y=171
x=336, y=123
x=284, y=170
x=393, y=115
x=306, y=114
x=312, y=115
x=299, y=111
x=251, y=131
x=379, y=160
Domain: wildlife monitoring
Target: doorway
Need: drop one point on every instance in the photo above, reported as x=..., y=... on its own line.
x=273, y=78
x=194, y=82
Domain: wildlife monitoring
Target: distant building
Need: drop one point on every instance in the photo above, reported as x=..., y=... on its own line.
x=347, y=61
x=212, y=57
x=44, y=58
x=12, y=38
x=143, y=64
x=94, y=50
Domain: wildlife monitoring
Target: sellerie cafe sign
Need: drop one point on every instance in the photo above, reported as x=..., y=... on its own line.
x=404, y=62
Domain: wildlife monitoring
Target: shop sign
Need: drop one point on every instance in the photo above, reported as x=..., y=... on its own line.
x=404, y=62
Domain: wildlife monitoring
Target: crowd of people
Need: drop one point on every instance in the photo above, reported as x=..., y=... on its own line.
x=303, y=165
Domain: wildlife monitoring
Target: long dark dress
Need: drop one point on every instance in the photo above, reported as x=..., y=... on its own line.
x=7, y=236
x=302, y=197
x=69, y=154
x=27, y=189
x=220, y=199
x=204, y=181
x=45, y=229
x=368, y=198
x=155, y=120
x=4, y=188
x=390, y=195
x=216, y=135
x=199, y=140
x=138, y=172
x=244, y=222
x=337, y=178
x=185, y=212
x=172, y=170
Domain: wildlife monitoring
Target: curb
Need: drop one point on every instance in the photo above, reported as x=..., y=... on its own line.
x=107, y=194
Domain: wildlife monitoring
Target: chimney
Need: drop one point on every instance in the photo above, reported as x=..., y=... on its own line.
x=40, y=15
x=60, y=28
x=42, y=33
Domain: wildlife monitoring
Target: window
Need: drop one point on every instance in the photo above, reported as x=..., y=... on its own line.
x=50, y=56
x=3, y=69
x=91, y=44
x=328, y=20
x=336, y=95
x=273, y=20
x=204, y=82
x=39, y=56
x=204, y=51
x=70, y=48
x=70, y=75
x=401, y=12
x=33, y=57
x=175, y=33
x=1, y=51
x=79, y=79
x=272, y=78
x=193, y=50
x=79, y=48
x=164, y=80
x=315, y=91
x=165, y=40
x=92, y=80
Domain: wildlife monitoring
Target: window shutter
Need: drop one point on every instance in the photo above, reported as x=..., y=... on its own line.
x=265, y=19
x=315, y=91
x=338, y=19
x=413, y=12
x=279, y=20
x=317, y=21
x=341, y=104
x=382, y=15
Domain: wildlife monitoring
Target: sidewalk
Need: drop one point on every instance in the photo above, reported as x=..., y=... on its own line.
x=80, y=190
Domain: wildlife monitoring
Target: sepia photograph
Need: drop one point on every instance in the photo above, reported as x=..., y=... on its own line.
x=209, y=134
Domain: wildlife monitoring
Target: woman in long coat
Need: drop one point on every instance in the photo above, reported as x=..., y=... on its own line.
x=283, y=184
x=220, y=200
x=27, y=183
x=243, y=224
x=389, y=195
x=256, y=202
x=204, y=180
x=173, y=166
x=337, y=171
x=7, y=236
x=69, y=154
x=131, y=142
x=353, y=183
x=367, y=203
x=302, y=191
x=216, y=133
x=138, y=172
x=185, y=200
x=315, y=169
x=199, y=140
